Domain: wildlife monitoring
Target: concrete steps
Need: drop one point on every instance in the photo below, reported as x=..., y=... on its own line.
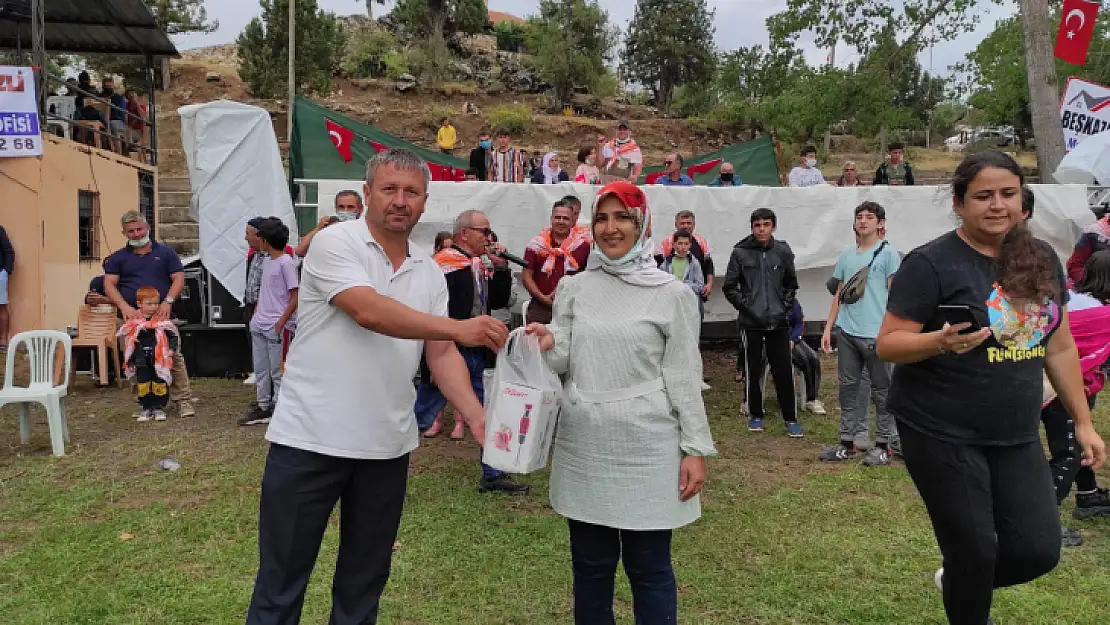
x=175, y=227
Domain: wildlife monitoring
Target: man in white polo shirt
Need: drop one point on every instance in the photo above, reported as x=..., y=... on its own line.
x=343, y=428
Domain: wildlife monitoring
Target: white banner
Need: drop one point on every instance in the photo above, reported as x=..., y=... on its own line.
x=19, y=113
x=815, y=221
x=1084, y=111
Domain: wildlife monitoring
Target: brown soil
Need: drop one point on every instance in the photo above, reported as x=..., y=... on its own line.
x=411, y=116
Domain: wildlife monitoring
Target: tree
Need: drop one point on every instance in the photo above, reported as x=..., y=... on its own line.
x=370, y=7
x=264, y=50
x=439, y=20
x=994, y=80
x=573, y=40
x=1044, y=95
x=669, y=44
x=181, y=16
x=174, y=17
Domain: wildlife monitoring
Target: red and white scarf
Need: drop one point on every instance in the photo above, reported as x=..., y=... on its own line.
x=451, y=259
x=163, y=357
x=544, y=247
x=667, y=244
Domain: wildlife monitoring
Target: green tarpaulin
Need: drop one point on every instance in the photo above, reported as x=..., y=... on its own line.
x=755, y=161
x=331, y=146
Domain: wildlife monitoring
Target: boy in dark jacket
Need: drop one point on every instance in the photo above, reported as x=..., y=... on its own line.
x=895, y=171
x=761, y=284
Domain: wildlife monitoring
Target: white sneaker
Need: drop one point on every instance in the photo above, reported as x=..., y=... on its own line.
x=706, y=387
x=938, y=579
x=143, y=417
x=815, y=407
x=159, y=415
x=250, y=379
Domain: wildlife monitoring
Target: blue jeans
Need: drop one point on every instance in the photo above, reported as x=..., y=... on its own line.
x=594, y=553
x=429, y=399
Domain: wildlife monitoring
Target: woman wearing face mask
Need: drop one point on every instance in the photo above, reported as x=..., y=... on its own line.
x=587, y=171
x=550, y=172
x=629, y=453
x=968, y=400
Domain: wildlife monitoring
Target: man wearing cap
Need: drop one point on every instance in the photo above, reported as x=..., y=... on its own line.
x=621, y=158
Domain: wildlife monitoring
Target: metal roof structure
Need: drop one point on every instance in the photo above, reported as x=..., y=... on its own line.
x=86, y=27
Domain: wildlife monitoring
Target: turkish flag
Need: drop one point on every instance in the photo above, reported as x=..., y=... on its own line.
x=341, y=138
x=702, y=168
x=1077, y=26
x=652, y=178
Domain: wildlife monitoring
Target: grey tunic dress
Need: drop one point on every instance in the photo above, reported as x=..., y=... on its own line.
x=633, y=370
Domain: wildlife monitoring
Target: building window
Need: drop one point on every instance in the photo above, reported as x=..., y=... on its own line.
x=146, y=198
x=88, y=222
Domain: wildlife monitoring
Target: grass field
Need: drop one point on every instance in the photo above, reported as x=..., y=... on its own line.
x=103, y=536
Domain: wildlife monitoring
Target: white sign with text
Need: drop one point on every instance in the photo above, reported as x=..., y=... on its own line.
x=19, y=114
x=1084, y=111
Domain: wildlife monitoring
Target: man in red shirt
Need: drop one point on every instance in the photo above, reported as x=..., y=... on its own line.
x=556, y=252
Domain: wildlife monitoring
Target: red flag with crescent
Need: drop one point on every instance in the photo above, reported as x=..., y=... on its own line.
x=1077, y=27
x=341, y=138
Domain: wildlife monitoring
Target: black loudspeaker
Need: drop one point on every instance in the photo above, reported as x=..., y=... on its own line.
x=190, y=305
x=223, y=308
x=216, y=352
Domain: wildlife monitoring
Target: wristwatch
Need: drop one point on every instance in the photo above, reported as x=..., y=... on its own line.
x=170, y=300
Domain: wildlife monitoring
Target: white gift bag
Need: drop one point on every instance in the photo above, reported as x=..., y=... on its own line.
x=522, y=406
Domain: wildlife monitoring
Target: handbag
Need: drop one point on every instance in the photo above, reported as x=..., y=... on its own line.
x=855, y=287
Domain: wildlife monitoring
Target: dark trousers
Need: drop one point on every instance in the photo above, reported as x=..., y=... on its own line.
x=594, y=553
x=775, y=346
x=153, y=391
x=1066, y=461
x=430, y=401
x=808, y=363
x=299, y=490
x=994, y=515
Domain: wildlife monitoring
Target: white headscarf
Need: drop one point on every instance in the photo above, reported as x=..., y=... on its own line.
x=550, y=176
x=638, y=266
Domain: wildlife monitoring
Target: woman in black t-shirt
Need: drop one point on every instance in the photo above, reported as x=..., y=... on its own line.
x=968, y=405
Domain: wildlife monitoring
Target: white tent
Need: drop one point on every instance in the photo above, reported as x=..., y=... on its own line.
x=1087, y=163
x=815, y=221
x=236, y=174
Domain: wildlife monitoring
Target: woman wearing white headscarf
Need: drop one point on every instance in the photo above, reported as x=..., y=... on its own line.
x=629, y=452
x=550, y=172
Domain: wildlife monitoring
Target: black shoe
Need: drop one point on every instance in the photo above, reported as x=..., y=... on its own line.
x=502, y=484
x=1070, y=537
x=1091, y=505
x=256, y=416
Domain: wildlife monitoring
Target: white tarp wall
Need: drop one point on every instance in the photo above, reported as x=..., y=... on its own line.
x=236, y=174
x=816, y=221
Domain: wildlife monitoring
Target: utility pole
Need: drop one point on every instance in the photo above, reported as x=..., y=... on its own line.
x=1044, y=97
x=292, y=69
x=828, y=131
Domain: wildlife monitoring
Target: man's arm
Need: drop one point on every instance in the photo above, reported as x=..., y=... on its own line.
x=637, y=169
x=732, y=288
x=909, y=174
x=708, y=270
x=387, y=316
x=290, y=308
x=111, y=290
x=453, y=379
x=789, y=279
x=302, y=247
x=529, y=283
x=6, y=251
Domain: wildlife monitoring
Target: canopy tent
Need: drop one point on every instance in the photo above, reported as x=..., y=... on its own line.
x=331, y=146
x=756, y=163
x=83, y=27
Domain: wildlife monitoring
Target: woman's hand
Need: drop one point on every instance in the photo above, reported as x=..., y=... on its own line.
x=1094, y=450
x=950, y=339
x=691, y=477
x=540, y=331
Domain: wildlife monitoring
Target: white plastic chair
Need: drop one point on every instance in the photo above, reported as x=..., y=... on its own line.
x=42, y=349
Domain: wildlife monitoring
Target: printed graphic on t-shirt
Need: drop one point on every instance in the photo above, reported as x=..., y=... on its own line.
x=1020, y=328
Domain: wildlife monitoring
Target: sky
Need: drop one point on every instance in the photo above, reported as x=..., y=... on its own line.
x=738, y=23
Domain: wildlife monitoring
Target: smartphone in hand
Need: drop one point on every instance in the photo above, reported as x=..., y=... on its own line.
x=956, y=314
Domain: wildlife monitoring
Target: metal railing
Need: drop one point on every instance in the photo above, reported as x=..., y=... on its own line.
x=1098, y=197
x=98, y=134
